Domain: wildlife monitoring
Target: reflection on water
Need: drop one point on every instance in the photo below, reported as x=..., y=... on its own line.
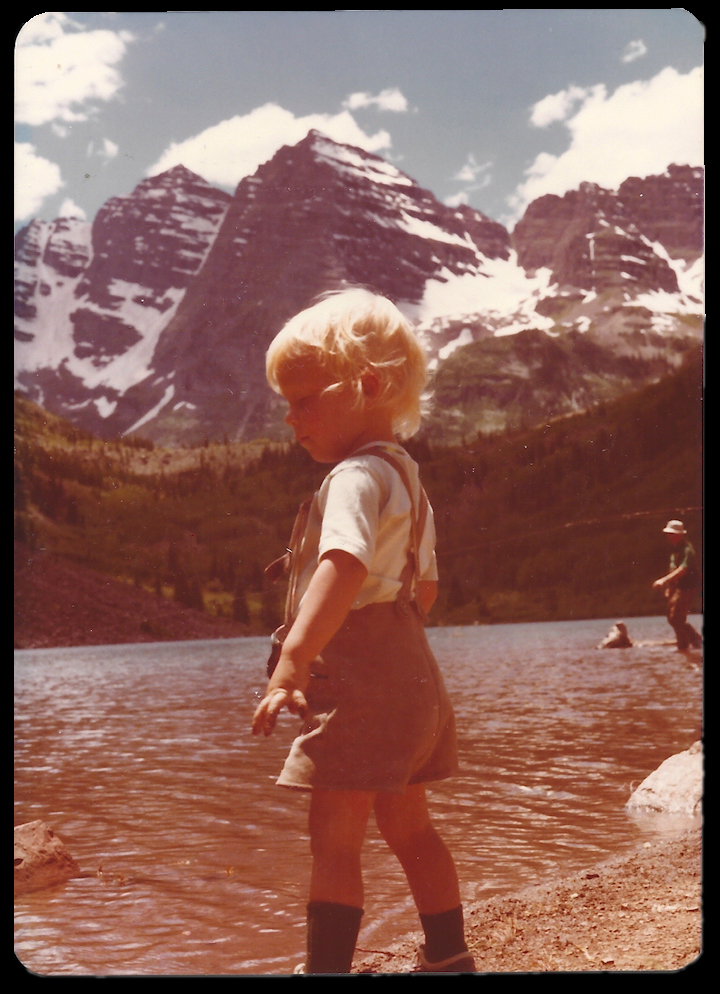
x=195, y=863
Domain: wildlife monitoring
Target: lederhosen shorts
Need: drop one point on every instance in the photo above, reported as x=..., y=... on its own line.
x=380, y=715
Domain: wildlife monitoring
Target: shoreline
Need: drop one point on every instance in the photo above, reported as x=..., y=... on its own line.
x=638, y=912
x=62, y=604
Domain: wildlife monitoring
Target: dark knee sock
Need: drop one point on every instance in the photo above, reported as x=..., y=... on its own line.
x=332, y=931
x=444, y=934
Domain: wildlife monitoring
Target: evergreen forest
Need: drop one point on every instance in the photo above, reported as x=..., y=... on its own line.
x=559, y=521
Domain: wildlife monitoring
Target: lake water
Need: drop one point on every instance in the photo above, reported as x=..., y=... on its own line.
x=141, y=759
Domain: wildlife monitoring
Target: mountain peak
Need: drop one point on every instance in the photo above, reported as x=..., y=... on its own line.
x=181, y=172
x=356, y=161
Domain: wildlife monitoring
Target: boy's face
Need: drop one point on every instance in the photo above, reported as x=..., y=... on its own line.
x=328, y=423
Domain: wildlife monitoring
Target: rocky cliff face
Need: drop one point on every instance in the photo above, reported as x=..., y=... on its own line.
x=596, y=239
x=156, y=319
x=91, y=301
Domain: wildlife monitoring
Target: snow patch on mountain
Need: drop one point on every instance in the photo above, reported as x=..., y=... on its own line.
x=149, y=415
x=688, y=302
x=352, y=163
x=414, y=225
x=464, y=338
x=48, y=268
x=691, y=278
x=501, y=294
x=121, y=372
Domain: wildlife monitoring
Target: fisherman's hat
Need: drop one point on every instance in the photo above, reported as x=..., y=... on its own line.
x=674, y=528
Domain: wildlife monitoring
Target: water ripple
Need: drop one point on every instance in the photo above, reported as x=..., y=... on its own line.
x=140, y=757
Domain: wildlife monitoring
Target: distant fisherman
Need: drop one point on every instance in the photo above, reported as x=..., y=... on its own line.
x=680, y=585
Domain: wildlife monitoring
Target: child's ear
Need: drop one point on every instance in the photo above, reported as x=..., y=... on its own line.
x=370, y=383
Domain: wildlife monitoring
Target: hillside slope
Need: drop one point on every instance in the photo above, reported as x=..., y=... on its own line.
x=561, y=521
x=59, y=603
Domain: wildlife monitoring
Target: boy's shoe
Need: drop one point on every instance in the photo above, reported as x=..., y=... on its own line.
x=460, y=963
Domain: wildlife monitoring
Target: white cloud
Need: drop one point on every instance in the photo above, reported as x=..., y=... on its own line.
x=62, y=72
x=390, y=99
x=457, y=199
x=634, y=50
x=68, y=208
x=35, y=179
x=639, y=130
x=557, y=106
x=106, y=150
x=474, y=175
x=61, y=130
x=472, y=170
x=234, y=148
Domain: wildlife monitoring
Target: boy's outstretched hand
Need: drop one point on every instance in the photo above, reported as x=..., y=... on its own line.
x=266, y=715
x=334, y=586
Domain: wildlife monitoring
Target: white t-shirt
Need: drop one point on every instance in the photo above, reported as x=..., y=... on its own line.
x=363, y=508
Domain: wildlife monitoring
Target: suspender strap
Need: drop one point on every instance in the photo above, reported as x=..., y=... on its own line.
x=291, y=560
x=417, y=529
x=418, y=517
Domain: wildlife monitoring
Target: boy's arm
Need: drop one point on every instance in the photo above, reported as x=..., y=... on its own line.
x=330, y=595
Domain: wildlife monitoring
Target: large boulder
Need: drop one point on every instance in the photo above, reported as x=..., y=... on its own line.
x=41, y=859
x=676, y=786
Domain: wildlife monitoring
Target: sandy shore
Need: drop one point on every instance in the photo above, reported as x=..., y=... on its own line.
x=639, y=913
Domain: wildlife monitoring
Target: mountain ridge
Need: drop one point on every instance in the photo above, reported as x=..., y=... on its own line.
x=154, y=319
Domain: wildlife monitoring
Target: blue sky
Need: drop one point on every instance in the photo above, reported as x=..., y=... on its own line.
x=488, y=107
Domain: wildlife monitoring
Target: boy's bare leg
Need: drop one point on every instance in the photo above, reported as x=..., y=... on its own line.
x=404, y=821
x=338, y=822
x=405, y=824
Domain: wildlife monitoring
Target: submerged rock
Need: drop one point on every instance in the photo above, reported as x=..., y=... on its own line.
x=41, y=859
x=616, y=638
x=676, y=786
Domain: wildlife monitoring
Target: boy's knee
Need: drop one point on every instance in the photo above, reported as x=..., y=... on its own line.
x=402, y=837
x=338, y=819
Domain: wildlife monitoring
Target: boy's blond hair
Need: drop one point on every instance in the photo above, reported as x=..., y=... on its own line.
x=353, y=332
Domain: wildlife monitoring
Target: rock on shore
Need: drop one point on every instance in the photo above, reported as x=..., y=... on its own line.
x=41, y=859
x=676, y=786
